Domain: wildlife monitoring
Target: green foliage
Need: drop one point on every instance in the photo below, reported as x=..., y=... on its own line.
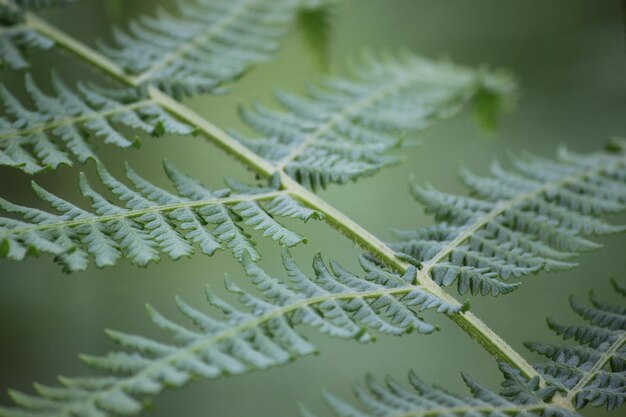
x=149, y=221
x=315, y=25
x=345, y=128
x=538, y=216
x=13, y=43
x=517, y=397
x=259, y=334
x=14, y=11
x=593, y=371
x=488, y=104
x=201, y=46
x=46, y=134
x=15, y=37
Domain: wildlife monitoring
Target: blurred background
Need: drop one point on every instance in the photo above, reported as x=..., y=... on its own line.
x=569, y=59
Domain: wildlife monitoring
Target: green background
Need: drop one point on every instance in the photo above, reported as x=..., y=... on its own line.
x=568, y=57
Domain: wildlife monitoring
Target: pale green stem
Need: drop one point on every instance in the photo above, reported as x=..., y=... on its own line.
x=80, y=49
x=471, y=324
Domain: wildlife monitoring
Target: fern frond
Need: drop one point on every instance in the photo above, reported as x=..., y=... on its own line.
x=53, y=129
x=345, y=128
x=593, y=371
x=15, y=37
x=258, y=335
x=149, y=221
x=13, y=43
x=538, y=216
x=518, y=397
x=203, y=45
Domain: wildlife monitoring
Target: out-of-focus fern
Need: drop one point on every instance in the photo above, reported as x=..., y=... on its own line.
x=15, y=37
x=344, y=128
x=55, y=128
x=538, y=216
x=257, y=336
x=203, y=45
x=518, y=397
x=593, y=371
x=314, y=22
x=149, y=221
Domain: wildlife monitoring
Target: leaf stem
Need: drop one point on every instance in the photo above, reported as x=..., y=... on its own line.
x=79, y=49
x=597, y=367
x=468, y=322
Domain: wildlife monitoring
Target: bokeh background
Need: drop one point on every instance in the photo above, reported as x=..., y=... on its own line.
x=569, y=59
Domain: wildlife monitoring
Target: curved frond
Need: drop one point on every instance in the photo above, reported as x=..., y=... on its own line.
x=54, y=129
x=345, y=128
x=518, y=397
x=202, y=45
x=538, y=216
x=148, y=221
x=258, y=334
x=15, y=37
x=592, y=371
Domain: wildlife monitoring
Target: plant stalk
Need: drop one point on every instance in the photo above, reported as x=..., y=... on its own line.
x=467, y=321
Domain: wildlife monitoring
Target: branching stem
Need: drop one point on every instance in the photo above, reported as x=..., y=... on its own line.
x=597, y=367
x=471, y=324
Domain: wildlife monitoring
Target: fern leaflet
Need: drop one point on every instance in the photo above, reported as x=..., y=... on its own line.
x=149, y=221
x=537, y=217
x=16, y=37
x=590, y=373
x=262, y=334
x=344, y=129
x=57, y=127
x=203, y=45
x=593, y=372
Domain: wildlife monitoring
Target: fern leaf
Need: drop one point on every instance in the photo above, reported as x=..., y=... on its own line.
x=54, y=129
x=16, y=37
x=203, y=45
x=13, y=43
x=518, y=397
x=259, y=334
x=345, y=128
x=148, y=221
x=593, y=371
x=538, y=216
